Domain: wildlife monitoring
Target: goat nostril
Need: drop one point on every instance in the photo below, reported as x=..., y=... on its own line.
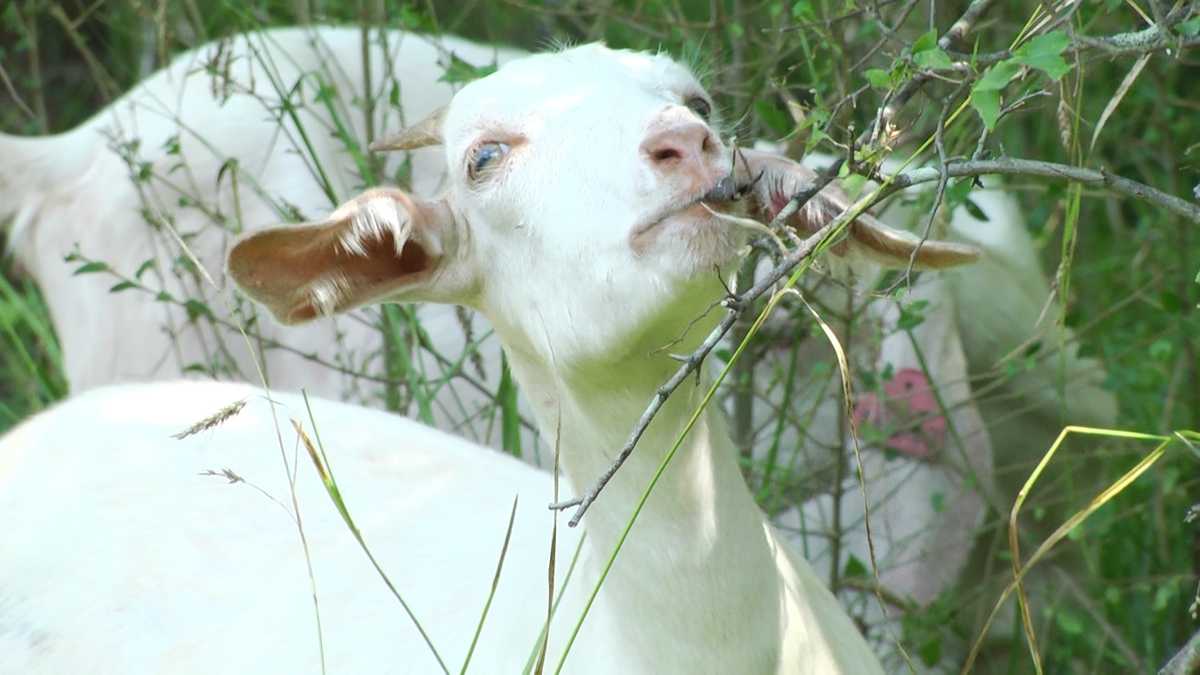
x=666, y=154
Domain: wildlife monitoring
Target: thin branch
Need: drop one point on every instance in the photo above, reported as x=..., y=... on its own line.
x=691, y=363
x=14, y=95
x=104, y=82
x=1008, y=166
x=1158, y=36
x=959, y=29
x=1139, y=42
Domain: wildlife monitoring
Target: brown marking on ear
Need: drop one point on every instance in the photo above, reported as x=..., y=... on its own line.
x=819, y=211
x=303, y=272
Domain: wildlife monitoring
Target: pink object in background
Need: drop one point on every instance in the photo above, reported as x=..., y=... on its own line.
x=907, y=400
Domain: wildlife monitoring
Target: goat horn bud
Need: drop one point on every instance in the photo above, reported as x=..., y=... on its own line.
x=423, y=134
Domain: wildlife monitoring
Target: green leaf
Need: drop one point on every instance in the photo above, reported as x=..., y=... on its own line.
x=933, y=59
x=1068, y=622
x=802, y=10
x=930, y=651
x=957, y=191
x=1162, y=596
x=879, y=78
x=987, y=104
x=89, y=268
x=1161, y=350
x=123, y=286
x=912, y=315
x=1189, y=28
x=997, y=77
x=937, y=500
x=196, y=309
x=926, y=42
x=510, y=417
x=149, y=263
x=326, y=93
x=854, y=567
x=853, y=185
x=230, y=164
x=1171, y=302
x=1047, y=44
x=927, y=54
x=976, y=212
x=459, y=71
x=1044, y=52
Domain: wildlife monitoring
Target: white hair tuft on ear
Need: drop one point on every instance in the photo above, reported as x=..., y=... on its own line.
x=370, y=221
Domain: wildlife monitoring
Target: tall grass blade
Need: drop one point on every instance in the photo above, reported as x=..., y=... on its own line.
x=316, y=453
x=512, y=516
x=1075, y=520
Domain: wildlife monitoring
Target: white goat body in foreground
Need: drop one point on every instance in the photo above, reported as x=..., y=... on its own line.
x=584, y=286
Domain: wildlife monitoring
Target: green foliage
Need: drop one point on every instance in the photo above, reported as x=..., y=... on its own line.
x=927, y=54
x=985, y=95
x=461, y=72
x=1044, y=52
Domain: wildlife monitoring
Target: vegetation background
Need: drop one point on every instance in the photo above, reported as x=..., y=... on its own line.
x=814, y=73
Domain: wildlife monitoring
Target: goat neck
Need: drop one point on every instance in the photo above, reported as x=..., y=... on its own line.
x=695, y=560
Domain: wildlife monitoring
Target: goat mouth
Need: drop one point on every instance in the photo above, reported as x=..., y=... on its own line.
x=726, y=193
x=729, y=189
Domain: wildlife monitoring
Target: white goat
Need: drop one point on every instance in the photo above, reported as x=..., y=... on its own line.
x=197, y=153
x=588, y=252
x=82, y=189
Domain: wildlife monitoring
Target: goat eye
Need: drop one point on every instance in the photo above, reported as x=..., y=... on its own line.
x=482, y=156
x=699, y=106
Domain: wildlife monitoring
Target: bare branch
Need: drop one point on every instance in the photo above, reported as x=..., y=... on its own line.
x=1008, y=166
x=1158, y=36
x=959, y=29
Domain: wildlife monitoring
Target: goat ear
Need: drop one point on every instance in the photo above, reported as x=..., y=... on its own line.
x=867, y=236
x=381, y=245
x=871, y=238
x=425, y=133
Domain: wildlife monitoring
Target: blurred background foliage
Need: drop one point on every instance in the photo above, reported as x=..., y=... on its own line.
x=811, y=73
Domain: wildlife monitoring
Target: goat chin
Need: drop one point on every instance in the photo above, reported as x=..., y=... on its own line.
x=79, y=192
